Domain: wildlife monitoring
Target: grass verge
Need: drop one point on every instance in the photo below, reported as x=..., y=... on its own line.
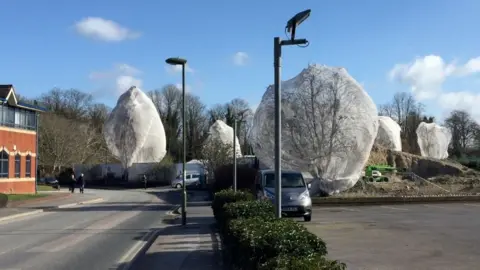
x=24, y=197
x=45, y=188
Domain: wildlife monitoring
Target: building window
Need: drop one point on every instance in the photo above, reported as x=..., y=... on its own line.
x=17, y=165
x=28, y=166
x=17, y=117
x=3, y=164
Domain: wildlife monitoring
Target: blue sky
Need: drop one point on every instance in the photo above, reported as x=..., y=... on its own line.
x=431, y=46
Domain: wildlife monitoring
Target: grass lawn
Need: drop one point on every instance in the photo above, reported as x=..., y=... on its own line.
x=23, y=197
x=45, y=188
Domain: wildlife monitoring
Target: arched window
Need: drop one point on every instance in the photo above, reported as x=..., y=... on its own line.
x=28, y=166
x=17, y=165
x=3, y=164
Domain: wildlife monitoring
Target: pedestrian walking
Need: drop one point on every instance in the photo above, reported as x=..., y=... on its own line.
x=73, y=182
x=81, y=182
x=144, y=179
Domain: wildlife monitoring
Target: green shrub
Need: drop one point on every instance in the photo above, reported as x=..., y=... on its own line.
x=249, y=209
x=227, y=196
x=285, y=262
x=252, y=242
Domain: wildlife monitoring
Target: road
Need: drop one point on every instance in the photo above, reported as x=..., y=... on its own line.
x=98, y=236
x=432, y=236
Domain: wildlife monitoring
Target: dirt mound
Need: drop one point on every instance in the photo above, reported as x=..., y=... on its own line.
x=422, y=166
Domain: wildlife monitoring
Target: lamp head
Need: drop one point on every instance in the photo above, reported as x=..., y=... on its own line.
x=176, y=61
x=297, y=19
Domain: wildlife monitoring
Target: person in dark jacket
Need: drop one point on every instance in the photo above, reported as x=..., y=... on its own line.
x=81, y=182
x=72, y=183
x=144, y=180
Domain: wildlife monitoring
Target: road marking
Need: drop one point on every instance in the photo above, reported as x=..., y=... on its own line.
x=79, y=236
x=70, y=205
x=436, y=206
x=26, y=214
x=337, y=208
x=471, y=204
x=394, y=208
x=128, y=258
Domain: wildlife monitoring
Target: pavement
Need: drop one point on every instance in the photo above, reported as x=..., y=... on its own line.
x=430, y=236
x=99, y=236
x=195, y=246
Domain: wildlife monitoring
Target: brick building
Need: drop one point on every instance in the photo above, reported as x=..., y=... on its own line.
x=18, y=143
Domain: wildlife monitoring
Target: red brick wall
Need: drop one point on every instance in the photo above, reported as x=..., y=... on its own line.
x=24, y=141
x=23, y=187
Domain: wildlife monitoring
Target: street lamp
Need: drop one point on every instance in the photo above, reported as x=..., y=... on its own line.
x=240, y=114
x=277, y=58
x=182, y=62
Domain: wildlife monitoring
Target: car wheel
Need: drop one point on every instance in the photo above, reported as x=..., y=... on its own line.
x=307, y=218
x=178, y=186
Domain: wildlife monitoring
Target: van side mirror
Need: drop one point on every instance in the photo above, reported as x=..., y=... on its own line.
x=309, y=185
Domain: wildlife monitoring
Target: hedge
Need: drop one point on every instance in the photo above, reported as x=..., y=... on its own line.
x=227, y=196
x=254, y=239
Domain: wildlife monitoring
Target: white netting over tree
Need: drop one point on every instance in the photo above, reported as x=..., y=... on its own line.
x=221, y=133
x=329, y=124
x=134, y=132
x=388, y=134
x=433, y=140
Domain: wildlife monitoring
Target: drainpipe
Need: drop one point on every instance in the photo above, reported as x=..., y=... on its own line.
x=36, y=151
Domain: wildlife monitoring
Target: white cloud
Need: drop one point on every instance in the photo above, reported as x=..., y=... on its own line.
x=124, y=82
x=178, y=68
x=426, y=77
x=118, y=79
x=104, y=30
x=240, y=58
x=468, y=101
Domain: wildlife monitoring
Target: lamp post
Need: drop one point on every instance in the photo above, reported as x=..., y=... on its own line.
x=182, y=62
x=277, y=58
x=235, y=147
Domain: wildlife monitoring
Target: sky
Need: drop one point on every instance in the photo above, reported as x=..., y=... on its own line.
x=430, y=48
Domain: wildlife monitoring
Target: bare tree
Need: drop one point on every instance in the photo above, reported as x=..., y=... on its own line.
x=168, y=102
x=55, y=142
x=217, y=112
x=463, y=129
x=71, y=103
x=214, y=154
x=317, y=131
x=196, y=126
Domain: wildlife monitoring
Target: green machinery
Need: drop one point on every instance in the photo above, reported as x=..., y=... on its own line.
x=376, y=173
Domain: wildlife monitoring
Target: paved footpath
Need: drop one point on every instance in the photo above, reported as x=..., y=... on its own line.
x=95, y=236
x=191, y=247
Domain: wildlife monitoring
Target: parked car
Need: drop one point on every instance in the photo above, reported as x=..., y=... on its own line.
x=296, y=201
x=192, y=179
x=49, y=181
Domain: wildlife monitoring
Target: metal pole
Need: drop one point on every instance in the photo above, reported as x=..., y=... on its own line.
x=277, y=54
x=184, y=202
x=234, y=155
x=36, y=152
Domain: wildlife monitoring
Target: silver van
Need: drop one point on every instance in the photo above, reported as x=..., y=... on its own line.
x=193, y=178
x=296, y=201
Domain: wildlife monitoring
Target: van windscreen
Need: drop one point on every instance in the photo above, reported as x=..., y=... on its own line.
x=289, y=180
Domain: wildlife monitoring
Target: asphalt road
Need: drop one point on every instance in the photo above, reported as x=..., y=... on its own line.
x=433, y=236
x=98, y=236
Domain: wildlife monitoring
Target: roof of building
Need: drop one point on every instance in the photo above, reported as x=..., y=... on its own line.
x=7, y=94
x=5, y=90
